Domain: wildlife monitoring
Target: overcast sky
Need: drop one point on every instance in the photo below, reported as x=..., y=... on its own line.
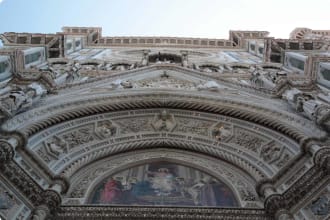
x=182, y=18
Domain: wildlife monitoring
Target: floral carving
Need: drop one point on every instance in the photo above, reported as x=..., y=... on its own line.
x=190, y=125
x=247, y=140
x=79, y=137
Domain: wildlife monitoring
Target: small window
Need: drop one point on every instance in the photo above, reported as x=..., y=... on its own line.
x=252, y=47
x=325, y=73
x=261, y=50
x=297, y=63
x=31, y=58
x=77, y=43
x=69, y=46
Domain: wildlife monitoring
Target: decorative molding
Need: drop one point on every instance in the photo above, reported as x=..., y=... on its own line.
x=118, y=213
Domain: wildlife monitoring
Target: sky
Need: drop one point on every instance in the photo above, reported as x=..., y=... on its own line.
x=180, y=18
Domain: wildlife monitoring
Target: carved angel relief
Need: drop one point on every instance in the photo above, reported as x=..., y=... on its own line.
x=271, y=152
x=105, y=129
x=221, y=132
x=164, y=121
x=55, y=147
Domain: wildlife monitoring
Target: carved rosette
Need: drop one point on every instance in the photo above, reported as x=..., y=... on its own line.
x=6, y=152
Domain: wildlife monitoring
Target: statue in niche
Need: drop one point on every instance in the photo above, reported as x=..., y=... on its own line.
x=221, y=132
x=6, y=199
x=74, y=72
x=18, y=100
x=164, y=122
x=320, y=206
x=184, y=58
x=145, y=58
x=105, y=129
x=56, y=146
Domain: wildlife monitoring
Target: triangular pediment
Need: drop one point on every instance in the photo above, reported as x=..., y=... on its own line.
x=157, y=78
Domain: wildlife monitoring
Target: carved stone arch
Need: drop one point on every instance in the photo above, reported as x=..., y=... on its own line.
x=251, y=168
x=240, y=183
x=227, y=106
x=259, y=151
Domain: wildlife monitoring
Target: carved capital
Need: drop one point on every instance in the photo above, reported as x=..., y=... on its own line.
x=322, y=159
x=6, y=151
x=263, y=185
x=62, y=182
x=274, y=203
x=322, y=116
x=51, y=199
x=283, y=214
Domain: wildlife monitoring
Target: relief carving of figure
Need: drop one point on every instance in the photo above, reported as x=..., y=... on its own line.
x=270, y=152
x=6, y=199
x=320, y=206
x=164, y=121
x=221, y=132
x=56, y=146
x=105, y=129
x=18, y=100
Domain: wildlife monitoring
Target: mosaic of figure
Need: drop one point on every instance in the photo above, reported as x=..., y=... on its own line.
x=163, y=183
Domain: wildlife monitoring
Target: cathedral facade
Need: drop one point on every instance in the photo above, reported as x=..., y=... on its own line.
x=96, y=127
